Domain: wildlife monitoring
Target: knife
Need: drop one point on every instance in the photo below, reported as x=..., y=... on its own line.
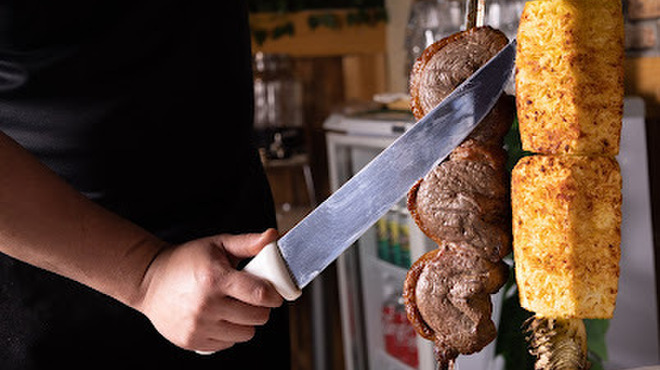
x=309, y=247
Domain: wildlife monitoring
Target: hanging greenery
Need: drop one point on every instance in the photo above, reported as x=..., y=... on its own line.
x=360, y=12
x=287, y=6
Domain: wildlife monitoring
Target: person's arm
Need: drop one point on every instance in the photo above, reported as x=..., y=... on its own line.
x=192, y=293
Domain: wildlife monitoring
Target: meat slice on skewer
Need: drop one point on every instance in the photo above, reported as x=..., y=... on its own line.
x=464, y=201
x=462, y=205
x=447, y=299
x=447, y=63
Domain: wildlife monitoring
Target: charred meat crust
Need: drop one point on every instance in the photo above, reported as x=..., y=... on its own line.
x=410, y=298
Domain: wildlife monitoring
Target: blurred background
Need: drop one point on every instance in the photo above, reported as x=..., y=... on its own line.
x=331, y=82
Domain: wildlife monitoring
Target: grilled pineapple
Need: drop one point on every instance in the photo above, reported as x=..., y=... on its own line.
x=566, y=204
x=566, y=232
x=569, y=81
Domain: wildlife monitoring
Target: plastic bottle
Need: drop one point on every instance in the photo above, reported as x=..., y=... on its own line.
x=388, y=318
x=395, y=235
x=404, y=238
x=383, y=239
x=406, y=336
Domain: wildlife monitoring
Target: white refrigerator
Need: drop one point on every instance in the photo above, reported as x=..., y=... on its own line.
x=376, y=335
x=372, y=272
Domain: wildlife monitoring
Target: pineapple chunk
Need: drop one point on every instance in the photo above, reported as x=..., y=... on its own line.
x=567, y=234
x=569, y=76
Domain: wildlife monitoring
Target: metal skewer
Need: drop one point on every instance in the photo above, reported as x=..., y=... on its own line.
x=475, y=12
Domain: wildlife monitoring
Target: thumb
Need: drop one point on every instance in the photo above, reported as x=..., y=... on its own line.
x=247, y=245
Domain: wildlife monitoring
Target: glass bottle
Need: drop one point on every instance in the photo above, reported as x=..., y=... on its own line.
x=278, y=118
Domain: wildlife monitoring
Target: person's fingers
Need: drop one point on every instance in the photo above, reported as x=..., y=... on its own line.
x=230, y=332
x=224, y=335
x=250, y=289
x=212, y=345
x=240, y=313
x=247, y=245
x=217, y=335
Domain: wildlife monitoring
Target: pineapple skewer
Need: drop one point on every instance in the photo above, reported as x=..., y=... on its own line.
x=566, y=202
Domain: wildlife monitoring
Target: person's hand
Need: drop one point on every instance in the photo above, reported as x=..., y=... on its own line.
x=197, y=299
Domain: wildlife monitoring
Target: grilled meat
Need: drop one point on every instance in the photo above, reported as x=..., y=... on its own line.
x=447, y=299
x=462, y=205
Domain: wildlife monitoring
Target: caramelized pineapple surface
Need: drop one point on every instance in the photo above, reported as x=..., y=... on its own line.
x=566, y=230
x=569, y=76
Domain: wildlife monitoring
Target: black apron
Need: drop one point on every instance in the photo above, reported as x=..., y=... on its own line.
x=146, y=108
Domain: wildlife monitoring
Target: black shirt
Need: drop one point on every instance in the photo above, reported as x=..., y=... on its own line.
x=146, y=108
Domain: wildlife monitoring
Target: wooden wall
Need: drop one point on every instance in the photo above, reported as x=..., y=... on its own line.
x=643, y=79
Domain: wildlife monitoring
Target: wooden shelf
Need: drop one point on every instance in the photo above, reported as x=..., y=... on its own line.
x=321, y=41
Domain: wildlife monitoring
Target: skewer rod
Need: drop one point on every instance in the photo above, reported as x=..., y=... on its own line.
x=475, y=13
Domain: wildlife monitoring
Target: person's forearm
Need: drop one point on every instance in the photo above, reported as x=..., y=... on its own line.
x=45, y=222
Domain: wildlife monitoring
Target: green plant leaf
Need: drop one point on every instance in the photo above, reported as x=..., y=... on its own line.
x=511, y=343
x=596, y=331
x=513, y=146
x=282, y=30
x=260, y=36
x=313, y=21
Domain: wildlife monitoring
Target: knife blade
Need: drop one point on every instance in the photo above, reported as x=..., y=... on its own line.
x=316, y=241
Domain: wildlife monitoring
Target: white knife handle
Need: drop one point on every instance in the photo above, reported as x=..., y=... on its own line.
x=269, y=265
